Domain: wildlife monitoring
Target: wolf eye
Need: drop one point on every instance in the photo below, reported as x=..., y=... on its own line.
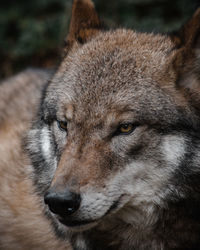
x=126, y=128
x=62, y=125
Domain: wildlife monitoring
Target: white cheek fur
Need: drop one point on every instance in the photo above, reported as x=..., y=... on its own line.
x=47, y=148
x=173, y=149
x=45, y=143
x=142, y=183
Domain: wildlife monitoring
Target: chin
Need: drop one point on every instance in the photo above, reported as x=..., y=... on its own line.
x=65, y=227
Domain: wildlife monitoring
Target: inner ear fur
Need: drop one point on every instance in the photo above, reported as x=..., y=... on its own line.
x=84, y=23
x=187, y=58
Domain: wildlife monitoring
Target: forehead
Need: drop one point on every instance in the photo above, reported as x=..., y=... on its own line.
x=115, y=71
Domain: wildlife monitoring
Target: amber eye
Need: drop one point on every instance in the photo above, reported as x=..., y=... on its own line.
x=62, y=125
x=126, y=128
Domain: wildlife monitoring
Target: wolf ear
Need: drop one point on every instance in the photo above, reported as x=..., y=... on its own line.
x=84, y=23
x=189, y=34
x=187, y=59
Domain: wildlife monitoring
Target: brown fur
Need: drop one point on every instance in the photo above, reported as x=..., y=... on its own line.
x=23, y=224
x=105, y=78
x=154, y=76
x=102, y=51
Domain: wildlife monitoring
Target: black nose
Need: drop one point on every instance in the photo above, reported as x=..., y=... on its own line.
x=62, y=203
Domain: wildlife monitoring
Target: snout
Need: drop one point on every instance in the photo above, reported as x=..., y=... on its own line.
x=80, y=211
x=62, y=203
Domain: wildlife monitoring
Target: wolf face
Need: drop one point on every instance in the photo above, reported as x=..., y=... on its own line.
x=114, y=129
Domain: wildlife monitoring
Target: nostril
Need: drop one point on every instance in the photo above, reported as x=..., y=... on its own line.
x=50, y=200
x=62, y=203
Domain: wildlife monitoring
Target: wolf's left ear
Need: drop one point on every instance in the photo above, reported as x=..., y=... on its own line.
x=84, y=23
x=187, y=59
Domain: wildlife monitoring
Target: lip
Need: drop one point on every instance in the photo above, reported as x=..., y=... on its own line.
x=76, y=223
x=113, y=207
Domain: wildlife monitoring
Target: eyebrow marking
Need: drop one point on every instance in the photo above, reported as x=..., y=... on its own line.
x=69, y=112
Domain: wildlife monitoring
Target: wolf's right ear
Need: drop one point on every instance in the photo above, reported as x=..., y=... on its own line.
x=187, y=58
x=84, y=23
x=189, y=34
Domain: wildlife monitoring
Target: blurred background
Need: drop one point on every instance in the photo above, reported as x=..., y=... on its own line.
x=32, y=32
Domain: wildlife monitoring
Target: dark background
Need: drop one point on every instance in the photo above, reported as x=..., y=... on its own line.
x=32, y=31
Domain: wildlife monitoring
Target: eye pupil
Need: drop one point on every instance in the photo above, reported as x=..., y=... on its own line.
x=126, y=128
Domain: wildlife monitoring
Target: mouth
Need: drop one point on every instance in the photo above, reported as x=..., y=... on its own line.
x=113, y=207
x=77, y=225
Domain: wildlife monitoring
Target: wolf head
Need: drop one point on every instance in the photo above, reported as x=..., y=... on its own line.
x=116, y=123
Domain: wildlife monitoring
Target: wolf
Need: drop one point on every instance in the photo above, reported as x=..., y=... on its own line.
x=114, y=148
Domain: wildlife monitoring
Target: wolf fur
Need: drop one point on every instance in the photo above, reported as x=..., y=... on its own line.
x=139, y=190
x=23, y=224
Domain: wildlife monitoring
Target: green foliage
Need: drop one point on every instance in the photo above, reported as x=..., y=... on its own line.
x=147, y=15
x=31, y=32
